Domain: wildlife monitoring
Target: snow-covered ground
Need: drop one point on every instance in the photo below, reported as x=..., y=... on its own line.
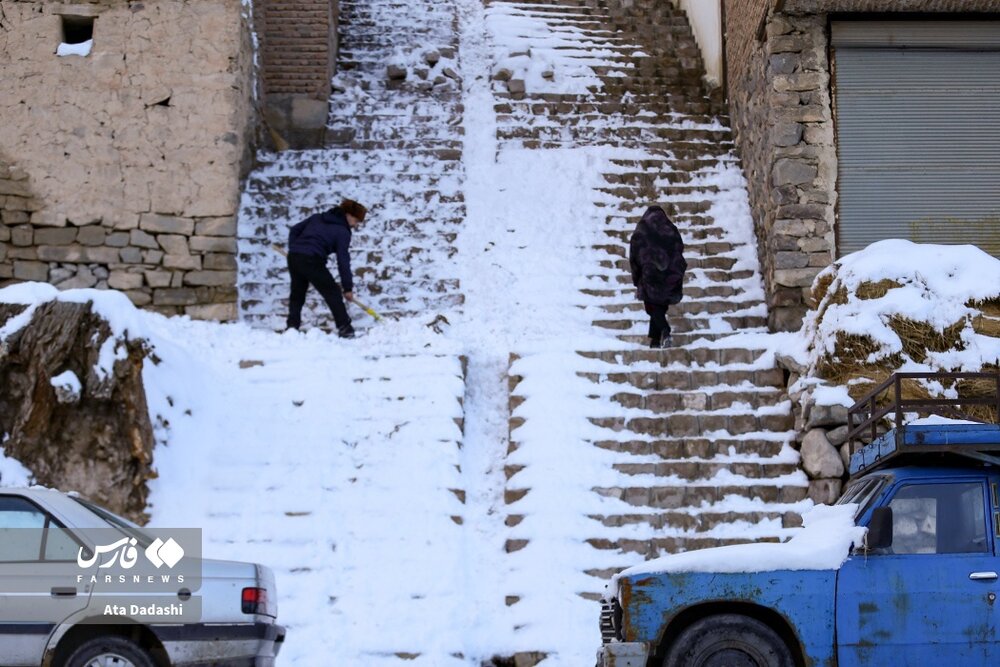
x=369, y=474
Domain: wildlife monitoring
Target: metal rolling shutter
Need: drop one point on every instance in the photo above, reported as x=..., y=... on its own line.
x=918, y=128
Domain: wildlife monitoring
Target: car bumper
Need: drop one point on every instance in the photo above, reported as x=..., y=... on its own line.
x=623, y=654
x=222, y=645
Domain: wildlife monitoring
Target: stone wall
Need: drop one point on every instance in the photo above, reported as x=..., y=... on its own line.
x=298, y=44
x=780, y=104
x=778, y=79
x=122, y=168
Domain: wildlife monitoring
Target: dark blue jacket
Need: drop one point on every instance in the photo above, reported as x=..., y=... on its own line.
x=321, y=235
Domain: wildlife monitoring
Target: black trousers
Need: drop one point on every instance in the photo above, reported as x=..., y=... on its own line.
x=658, y=325
x=308, y=270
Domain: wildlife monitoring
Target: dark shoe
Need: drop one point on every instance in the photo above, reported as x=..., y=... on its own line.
x=346, y=331
x=667, y=341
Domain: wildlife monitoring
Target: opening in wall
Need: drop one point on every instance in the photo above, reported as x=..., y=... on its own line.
x=77, y=29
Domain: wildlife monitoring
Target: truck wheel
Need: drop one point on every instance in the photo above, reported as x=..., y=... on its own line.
x=728, y=640
x=109, y=651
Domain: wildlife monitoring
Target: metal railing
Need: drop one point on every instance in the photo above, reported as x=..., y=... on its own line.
x=865, y=415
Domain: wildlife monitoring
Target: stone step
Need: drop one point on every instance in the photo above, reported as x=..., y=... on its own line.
x=681, y=339
x=689, y=306
x=693, y=471
x=627, y=291
x=698, y=448
x=699, y=521
x=692, y=247
x=658, y=546
x=397, y=145
x=693, y=423
x=693, y=261
x=258, y=184
x=591, y=133
x=693, y=495
x=712, y=275
x=691, y=379
x=696, y=355
x=704, y=398
x=685, y=325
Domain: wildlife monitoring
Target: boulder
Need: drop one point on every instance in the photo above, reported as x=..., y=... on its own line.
x=75, y=426
x=819, y=458
x=825, y=491
x=826, y=415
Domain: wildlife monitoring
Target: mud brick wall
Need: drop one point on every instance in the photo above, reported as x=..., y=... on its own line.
x=780, y=100
x=121, y=169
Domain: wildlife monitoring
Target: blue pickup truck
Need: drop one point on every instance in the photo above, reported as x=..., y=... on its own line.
x=920, y=589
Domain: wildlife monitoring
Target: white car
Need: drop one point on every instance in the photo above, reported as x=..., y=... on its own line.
x=70, y=574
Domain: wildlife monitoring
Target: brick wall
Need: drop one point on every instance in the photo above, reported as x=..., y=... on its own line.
x=298, y=42
x=298, y=46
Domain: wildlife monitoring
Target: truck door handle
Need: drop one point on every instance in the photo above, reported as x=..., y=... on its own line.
x=63, y=592
x=983, y=576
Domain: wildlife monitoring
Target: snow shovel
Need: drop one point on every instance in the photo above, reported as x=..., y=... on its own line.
x=378, y=318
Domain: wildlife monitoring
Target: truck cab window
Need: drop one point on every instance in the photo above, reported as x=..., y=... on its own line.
x=939, y=518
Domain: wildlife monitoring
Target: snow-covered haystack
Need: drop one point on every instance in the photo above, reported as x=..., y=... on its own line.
x=907, y=307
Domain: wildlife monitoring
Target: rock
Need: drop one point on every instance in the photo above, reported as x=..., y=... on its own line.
x=791, y=171
x=827, y=415
x=395, y=72
x=516, y=86
x=451, y=73
x=845, y=456
x=432, y=57
x=825, y=491
x=83, y=279
x=819, y=458
x=100, y=444
x=56, y=276
x=503, y=74
x=838, y=436
x=789, y=362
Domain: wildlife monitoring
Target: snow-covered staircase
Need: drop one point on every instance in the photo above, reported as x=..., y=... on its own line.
x=675, y=449
x=392, y=144
x=615, y=453
x=300, y=453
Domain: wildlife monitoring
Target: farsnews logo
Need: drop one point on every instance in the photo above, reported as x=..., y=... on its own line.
x=125, y=554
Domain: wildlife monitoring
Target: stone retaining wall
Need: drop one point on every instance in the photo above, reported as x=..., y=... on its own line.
x=779, y=87
x=122, y=168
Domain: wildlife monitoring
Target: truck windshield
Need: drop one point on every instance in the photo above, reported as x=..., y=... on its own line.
x=863, y=492
x=122, y=524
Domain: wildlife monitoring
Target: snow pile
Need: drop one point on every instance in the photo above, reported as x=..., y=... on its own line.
x=543, y=51
x=824, y=543
x=12, y=473
x=902, y=306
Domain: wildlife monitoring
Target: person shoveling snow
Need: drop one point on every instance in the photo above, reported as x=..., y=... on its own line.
x=310, y=243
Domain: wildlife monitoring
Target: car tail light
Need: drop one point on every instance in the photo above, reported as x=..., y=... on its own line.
x=254, y=601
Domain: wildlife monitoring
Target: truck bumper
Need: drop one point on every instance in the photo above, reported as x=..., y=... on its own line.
x=623, y=654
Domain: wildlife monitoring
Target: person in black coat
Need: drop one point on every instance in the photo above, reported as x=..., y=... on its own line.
x=310, y=243
x=656, y=257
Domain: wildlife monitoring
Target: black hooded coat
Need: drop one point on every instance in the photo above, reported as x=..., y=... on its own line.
x=656, y=257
